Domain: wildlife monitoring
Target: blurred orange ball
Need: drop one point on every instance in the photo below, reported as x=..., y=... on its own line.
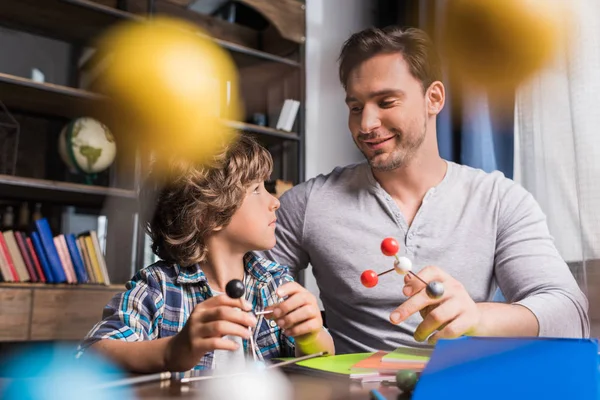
x=169, y=88
x=500, y=43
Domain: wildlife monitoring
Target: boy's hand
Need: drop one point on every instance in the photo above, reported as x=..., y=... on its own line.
x=299, y=314
x=204, y=330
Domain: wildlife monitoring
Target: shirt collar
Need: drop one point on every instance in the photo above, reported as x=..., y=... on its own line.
x=252, y=266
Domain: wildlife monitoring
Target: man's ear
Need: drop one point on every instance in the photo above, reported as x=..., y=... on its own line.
x=435, y=98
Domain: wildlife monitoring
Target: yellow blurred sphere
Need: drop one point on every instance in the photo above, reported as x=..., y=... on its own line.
x=169, y=88
x=500, y=43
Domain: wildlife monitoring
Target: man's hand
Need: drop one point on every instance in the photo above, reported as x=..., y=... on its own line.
x=299, y=314
x=204, y=330
x=453, y=315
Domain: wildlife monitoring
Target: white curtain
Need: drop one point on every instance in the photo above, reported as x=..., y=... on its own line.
x=557, y=145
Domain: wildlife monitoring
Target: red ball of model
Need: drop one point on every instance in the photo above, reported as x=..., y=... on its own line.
x=369, y=278
x=389, y=246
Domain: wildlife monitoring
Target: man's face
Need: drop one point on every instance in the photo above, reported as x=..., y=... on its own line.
x=388, y=116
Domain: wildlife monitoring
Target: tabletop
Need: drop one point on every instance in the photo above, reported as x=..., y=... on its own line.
x=303, y=387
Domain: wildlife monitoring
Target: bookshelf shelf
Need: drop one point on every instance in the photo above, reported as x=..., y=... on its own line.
x=62, y=192
x=61, y=286
x=45, y=98
x=55, y=18
x=63, y=101
x=263, y=130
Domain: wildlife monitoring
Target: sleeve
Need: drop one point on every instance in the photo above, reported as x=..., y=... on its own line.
x=531, y=272
x=291, y=215
x=287, y=345
x=133, y=315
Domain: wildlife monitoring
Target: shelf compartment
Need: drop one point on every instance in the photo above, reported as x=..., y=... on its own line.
x=48, y=99
x=61, y=192
x=45, y=98
x=55, y=18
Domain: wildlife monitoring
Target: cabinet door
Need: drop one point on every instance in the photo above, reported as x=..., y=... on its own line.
x=15, y=312
x=67, y=314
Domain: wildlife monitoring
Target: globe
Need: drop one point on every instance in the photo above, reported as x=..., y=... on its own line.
x=87, y=146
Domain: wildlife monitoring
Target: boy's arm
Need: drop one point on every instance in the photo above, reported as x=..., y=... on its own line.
x=300, y=318
x=314, y=343
x=129, y=323
x=143, y=357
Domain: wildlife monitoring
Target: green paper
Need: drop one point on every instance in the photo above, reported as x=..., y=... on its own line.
x=408, y=354
x=339, y=364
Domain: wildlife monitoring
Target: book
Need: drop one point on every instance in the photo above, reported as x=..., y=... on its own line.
x=47, y=242
x=375, y=363
x=472, y=368
x=337, y=366
x=408, y=355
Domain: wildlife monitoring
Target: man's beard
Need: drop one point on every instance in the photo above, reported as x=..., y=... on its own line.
x=403, y=152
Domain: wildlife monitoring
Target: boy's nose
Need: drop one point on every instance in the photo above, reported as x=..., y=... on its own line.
x=275, y=203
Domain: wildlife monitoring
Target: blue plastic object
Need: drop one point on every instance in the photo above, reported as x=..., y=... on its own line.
x=51, y=372
x=511, y=368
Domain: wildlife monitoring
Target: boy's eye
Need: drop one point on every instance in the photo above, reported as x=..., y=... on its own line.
x=256, y=189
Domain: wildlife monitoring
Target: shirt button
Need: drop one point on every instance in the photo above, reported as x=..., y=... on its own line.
x=273, y=324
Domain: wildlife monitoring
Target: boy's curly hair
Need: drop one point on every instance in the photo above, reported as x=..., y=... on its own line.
x=182, y=208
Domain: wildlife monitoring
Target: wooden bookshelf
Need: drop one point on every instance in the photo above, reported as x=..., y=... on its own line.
x=271, y=66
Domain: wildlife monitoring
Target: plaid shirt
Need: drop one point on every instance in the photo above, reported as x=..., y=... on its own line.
x=160, y=298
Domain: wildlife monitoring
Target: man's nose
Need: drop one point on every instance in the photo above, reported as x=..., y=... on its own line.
x=369, y=120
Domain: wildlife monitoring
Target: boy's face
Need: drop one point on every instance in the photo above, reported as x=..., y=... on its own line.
x=252, y=227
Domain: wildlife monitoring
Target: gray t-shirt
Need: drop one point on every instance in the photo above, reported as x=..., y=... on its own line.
x=481, y=228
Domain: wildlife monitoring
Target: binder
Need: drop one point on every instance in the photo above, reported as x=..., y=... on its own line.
x=470, y=368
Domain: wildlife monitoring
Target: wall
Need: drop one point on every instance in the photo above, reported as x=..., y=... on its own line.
x=328, y=142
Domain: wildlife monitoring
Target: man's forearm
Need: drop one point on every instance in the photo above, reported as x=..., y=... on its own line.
x=499, y=319
x=138, y=357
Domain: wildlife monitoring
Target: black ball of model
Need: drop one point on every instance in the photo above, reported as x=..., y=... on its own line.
x=235, y=289
x=435, y=289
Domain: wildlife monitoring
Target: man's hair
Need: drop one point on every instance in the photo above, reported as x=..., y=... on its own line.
x=414, y=45
x=182, y=207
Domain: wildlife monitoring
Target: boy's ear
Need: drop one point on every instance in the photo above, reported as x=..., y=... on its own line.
x=217, y=229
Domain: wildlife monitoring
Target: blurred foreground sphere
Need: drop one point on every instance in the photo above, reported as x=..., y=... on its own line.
x=51, y=372
x=500, y=43
x=169, y=88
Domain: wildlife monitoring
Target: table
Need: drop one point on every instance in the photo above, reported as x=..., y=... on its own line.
x=304, y=388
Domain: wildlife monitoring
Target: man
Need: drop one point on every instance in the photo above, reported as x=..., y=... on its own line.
x=471, y=230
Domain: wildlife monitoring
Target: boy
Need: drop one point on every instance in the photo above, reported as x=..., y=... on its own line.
x=204, y=223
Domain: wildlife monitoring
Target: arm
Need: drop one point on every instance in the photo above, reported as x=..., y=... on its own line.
x=138, y=357
x=129, y=332
x=130, y=323
x=315, y=342
x=532, y=274
x=543, y=297
x=300, y=317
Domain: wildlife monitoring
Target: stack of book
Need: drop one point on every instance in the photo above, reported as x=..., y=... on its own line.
x=46, y=258
x=379, y=366
x=383, y=366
